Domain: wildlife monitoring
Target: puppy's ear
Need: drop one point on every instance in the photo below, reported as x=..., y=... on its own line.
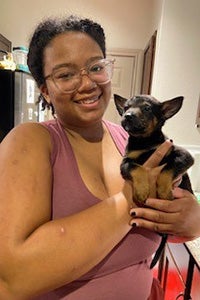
x=171, y=107
x=119, y=103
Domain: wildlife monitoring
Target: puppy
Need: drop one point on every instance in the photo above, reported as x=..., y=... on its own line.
x=143, y=118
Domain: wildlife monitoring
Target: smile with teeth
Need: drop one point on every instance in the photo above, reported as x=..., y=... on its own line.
x=88, y=101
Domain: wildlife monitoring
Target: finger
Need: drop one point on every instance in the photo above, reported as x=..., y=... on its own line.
x=182, y=194
x=158, y=154
x=178, y=192
x=153, y=215
x=163, y=205
x=177, y=181
x=172, y=228
x=159, y=221
x=152, y=226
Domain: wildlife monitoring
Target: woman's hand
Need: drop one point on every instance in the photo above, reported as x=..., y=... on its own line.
x=179, y=217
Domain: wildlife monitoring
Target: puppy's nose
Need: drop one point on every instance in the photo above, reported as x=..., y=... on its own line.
x=129, y=116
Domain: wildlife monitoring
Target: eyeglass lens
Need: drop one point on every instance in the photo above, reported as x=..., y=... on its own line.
x=68, y=79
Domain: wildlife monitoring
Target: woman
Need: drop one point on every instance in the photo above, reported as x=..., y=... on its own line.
x=66, y=229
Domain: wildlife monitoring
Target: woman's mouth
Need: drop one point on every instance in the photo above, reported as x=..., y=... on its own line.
x=88, y=101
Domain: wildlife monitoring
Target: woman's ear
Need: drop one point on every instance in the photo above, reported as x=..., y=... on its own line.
x=45, y=93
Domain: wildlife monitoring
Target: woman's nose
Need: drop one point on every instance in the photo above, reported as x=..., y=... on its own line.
x=86, y=83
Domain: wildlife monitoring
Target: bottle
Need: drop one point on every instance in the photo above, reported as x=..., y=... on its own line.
x=20, y=58
x=6, y=61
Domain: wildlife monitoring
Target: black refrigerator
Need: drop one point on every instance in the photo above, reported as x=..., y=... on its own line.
x=18, y=97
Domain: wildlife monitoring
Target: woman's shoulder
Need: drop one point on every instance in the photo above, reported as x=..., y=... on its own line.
x=114, y=126
x=116, y=130
x=29, y=129
x=119, y=135
x=26, y=134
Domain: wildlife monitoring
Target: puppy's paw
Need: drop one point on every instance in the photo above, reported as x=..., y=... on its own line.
x=164, y=186
x=141, y=193
x=141, y=188
x=165, y=193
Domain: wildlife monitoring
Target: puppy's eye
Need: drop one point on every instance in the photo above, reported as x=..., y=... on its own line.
x=126, y=107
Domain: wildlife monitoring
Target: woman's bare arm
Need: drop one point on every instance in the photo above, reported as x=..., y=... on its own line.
x=38, y=254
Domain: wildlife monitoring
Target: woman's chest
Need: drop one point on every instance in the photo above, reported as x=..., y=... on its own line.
x=99, y=168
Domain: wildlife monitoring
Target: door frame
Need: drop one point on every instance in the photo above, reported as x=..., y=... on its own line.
x=148, y=65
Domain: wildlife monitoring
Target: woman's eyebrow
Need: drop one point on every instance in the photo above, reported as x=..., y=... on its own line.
x=64, y=65
x=72, y=65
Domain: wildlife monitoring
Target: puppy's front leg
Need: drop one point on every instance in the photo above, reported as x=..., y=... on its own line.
x=165, y=185
x=138, y=174
x=141, y=187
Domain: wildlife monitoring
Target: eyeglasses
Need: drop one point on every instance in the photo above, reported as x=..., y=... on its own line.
x=68, y=79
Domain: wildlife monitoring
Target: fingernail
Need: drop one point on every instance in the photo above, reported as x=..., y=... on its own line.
x=171, y=140
x=134, y=225
x=133, y=214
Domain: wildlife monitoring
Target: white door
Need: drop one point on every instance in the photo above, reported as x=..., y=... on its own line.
x=126, y=79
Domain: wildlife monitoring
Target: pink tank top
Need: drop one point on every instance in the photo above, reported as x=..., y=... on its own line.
x=124, y=273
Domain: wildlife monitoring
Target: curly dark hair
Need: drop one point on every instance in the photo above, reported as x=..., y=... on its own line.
x=49, y=29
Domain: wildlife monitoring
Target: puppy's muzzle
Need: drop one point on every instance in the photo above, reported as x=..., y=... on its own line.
x=132, y=123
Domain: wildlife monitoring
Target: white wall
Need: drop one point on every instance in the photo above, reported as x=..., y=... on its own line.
x=177, y=66
x=128, y=24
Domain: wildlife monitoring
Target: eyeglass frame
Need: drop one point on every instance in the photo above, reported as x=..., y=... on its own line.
x=51, y=76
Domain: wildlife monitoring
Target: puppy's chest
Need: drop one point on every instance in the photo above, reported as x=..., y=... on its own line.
x=139, y=156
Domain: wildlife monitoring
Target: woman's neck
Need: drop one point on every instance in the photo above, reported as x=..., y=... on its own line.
x=92, y=133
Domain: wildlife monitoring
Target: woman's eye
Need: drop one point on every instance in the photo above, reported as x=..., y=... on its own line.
x=96, y=68
x=66, y=75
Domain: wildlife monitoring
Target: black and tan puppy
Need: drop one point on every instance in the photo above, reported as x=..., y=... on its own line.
x=143, y=118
